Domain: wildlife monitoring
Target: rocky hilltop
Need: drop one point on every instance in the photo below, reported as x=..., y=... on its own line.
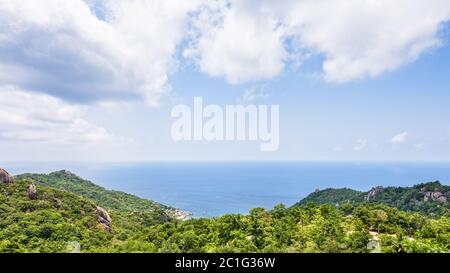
x=429, y=198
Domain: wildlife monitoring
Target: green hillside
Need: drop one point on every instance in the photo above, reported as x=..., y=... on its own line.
x=333, y=196
x=48, y=223
x=428, y=198
x=116, y=200
x=307, y=229
x=53, y=219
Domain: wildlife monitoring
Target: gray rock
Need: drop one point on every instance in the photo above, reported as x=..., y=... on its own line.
x=104, y=219
x=5, y=177
x=32, y=192
x=58, y=203
x=373, y=192
x=179, y=214
x=435, y=196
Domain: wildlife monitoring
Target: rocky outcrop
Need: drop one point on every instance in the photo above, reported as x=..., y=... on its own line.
x=57, y=203
x=373, y=192
x=104, y=219
x=178, y=214
x=32, y=192
x=5, y=177
x=435, y=196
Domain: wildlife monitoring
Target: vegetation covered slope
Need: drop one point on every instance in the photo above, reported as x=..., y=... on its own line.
x=54, y=218
x=110, y=199
x=48, y=223
x=428, y=198
x=333, y=196
x=311, y=229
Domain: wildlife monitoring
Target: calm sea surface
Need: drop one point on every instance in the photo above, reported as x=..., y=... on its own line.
x=212, y=189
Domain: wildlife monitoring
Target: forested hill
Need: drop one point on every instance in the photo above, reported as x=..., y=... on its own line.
x=67, y=181
x=42, y=213
x=429, y=198
x=38, y=218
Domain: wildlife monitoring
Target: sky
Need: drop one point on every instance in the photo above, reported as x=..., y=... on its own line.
x=96, y=80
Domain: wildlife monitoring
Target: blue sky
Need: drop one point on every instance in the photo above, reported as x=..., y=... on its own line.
x=322, y=121
x=81, y=84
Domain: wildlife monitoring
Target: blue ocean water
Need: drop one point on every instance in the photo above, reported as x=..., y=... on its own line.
x=212, y=189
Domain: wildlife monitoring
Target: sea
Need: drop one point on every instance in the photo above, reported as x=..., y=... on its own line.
x=209, y=189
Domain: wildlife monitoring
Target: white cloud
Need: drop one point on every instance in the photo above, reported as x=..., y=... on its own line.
x=360, y=144
x=61, y=47
x=28, y=116
x=254, y=93
x=242, y=44
x=399, y=138
x=356, y=38
x=367, y=38
x=97, y=50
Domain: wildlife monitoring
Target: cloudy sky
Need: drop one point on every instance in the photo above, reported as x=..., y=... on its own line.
x=97, y=79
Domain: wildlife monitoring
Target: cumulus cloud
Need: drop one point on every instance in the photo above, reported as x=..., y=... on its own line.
x=96, y=50
x=360, y=144
x=29, y=116
x=356, y=38
x=400, y=138
x=91, y=50
x=242, y=43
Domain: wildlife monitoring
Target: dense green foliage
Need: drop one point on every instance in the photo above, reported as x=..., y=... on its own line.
x=110, y=199
x=310, y=228
x=58, y=217
x=403, y=198
x=333, y=196
x=46, y=224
